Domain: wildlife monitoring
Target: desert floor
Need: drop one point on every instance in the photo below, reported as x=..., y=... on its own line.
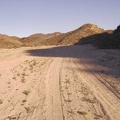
x=59, y=83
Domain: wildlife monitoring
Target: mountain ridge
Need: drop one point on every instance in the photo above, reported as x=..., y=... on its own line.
x=85, y=34
x=70, y=37
x=10, y=41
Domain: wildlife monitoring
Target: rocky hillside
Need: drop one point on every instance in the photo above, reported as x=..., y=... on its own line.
x=70, y=38
x=84, y=31
x=86, y=34
x=9, y=41
x=108, y=40
x=36, y=39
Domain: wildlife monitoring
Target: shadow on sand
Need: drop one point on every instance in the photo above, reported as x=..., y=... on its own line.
x=109, y=59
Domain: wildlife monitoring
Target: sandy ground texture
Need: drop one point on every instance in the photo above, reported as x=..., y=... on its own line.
x=59, y=83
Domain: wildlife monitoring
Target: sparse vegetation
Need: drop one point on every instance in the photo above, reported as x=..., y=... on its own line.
x=85, y=90
x=23, y=80
x=71, y=111
x=67, y=82
x=8, y=82
x=34, y=63
x=26, y=92
x=69, y=93
x=98, y=116
x=27, y=109
x=23, y=74
x=18, y=74
x=74, y=80
x=92, y=100
x=82, y=113
x=1, y=101
x=11, y=118
x=14, y=78
x=24, y=101
x=68, y=100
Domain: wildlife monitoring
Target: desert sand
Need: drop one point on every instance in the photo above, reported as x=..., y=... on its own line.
x=59, y=83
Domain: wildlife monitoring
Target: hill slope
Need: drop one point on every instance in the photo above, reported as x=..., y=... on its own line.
x=86, y=34
x=9, y=41
x=83, y=31
x=109, y=40
x=71, y=37
x=36, y=39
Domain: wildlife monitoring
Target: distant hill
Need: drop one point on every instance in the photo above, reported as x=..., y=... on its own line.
x=9, y=41
x=86, y=34
x=84, y=31
x=42, y=36
x=108, y=39
x=35, y=39
x=70, y=38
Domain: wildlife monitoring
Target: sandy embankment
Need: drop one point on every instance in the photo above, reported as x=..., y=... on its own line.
x=59, y=83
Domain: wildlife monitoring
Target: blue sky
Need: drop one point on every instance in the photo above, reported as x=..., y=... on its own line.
x=25, y=17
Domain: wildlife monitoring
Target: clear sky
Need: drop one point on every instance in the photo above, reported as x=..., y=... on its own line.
x=25, y=17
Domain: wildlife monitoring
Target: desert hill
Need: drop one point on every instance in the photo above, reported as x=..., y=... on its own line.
x=86, y=34
x=42, y=36
x=108, y=39
x=35, y=39
x=71, y=37
x=9, y=41
x=83, y=31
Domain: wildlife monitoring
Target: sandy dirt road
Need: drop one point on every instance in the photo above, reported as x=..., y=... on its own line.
x=59, y=83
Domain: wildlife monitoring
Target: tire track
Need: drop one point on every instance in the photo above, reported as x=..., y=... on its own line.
x=52, y=102
x=109, y=101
